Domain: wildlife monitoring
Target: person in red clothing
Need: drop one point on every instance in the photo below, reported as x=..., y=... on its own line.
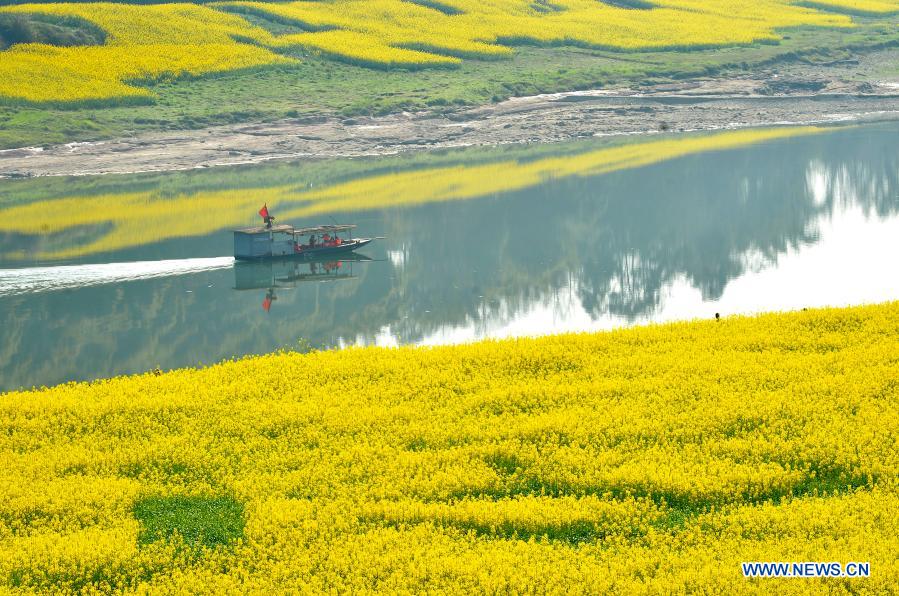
x=266, y=217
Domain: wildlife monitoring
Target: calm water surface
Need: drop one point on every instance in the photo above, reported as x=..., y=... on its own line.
x=798, y=222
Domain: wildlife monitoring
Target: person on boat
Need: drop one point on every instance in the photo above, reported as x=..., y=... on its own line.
x=267, y=217
x=326, y=239
x=312, y=241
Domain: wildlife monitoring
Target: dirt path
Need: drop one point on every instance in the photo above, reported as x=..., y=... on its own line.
x=697, y=105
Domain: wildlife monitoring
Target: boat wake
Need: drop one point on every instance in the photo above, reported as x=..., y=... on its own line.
x=34, y=280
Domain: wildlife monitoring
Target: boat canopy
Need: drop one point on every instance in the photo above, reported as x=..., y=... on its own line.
x=287, y=229
x=282, y=228
x=333, y=229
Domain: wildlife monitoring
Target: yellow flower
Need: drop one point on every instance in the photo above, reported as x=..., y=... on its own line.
x=648, y=460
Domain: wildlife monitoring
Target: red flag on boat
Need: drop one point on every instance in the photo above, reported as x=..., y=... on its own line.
x=263, y=213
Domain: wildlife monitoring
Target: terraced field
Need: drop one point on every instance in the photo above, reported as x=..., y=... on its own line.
x=72, y=72
x=143, y=43
x=148, y=43
x=652, y=460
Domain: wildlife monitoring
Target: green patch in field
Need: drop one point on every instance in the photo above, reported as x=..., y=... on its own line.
x=48, y=29
x=274, y=24
x=574, y=533
x=629, y=4
x=102, y=579
x=504, y=464
x=821, y=480
x=417, y=444
x=545, y=6
x=439, y=6
x=199, y=521
x=518, y=481
x=849, y=10
x=675, y=519
x=166, y=472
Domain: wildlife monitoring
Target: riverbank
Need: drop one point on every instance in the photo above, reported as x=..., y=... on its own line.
x=634, y=94
x=711, y=105
x=649, y=459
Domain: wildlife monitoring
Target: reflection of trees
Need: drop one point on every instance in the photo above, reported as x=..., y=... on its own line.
x=626, y=235
x=615, y=240
x=756, y=202
x=671, y=225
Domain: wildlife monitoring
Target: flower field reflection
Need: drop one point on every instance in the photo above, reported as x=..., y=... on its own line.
x=133, y=219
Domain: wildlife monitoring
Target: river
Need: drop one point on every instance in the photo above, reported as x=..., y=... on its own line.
x=122, y=274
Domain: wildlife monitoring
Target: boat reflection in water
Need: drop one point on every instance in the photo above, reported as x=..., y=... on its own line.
x=275, y=275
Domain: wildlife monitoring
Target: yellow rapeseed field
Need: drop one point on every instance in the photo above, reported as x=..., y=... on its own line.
x=476, y=27
x=651, y=460
x=138, y=218
x=146, y=43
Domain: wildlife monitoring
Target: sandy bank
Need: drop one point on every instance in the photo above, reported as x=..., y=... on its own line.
x=713, y=104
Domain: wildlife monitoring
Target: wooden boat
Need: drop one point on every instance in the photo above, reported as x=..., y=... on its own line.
x=285, y=241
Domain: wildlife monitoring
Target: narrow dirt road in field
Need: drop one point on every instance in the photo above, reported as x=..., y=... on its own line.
x=697, y=105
